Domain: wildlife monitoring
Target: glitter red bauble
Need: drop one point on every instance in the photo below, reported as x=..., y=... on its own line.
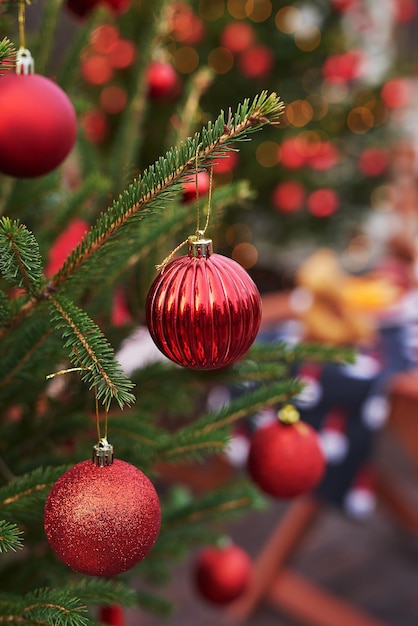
x=102, y=521
x=286, y=460
x=38, y=125
x=204, y=310
x=222, y=574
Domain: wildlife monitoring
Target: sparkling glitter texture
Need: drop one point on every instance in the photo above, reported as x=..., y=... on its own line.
x=204, y=310
x=102, y=521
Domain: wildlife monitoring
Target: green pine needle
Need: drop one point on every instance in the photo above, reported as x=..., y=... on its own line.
x=20, y=259
x=10, y=537
x=92, y=353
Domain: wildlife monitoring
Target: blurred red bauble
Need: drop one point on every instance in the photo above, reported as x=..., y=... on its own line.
x=186, y=26
x=344, y=5
x=118, y=6
x=82, y=8
x=112, y=615
x=286, y=460
x=163, y=82
x=204, y=310
x=222, y=574
x=95, y=125
x=102, y=521
x=237, y=36
x=373, y=161
x=189, y=192
x=322, y=202
x=96, y=69
x=257, y=61
x=346, y=66
x=38, y=125
x=322, y=155
x=292, y=153
x=396, y=93
x=65, y=244
x=226, y=163
x=404, y=10
x=288, y=196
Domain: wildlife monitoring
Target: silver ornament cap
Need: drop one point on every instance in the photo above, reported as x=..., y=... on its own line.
x=102, y=453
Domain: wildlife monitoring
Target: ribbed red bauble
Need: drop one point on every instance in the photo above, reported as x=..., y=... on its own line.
x=38, y=125
x=222, y=574
x=204, y=310
x=102, y=517
x=286, y=459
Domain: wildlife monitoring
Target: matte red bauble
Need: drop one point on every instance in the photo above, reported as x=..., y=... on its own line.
x=204, y=310
x=102, y=520
x=286, y=460
x=38, y=125
x=222, y=574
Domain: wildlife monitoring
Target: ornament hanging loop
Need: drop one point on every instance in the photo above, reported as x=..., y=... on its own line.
x=21, y=20
x=24, y=62
x=102, y=453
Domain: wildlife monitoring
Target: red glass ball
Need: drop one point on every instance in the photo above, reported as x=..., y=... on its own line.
x=102, y=521
x=222, y=574
x=38, y=125
x=286, y=460
x=204, y=311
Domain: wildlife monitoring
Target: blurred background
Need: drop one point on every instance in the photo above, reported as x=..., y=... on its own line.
x=325, y=219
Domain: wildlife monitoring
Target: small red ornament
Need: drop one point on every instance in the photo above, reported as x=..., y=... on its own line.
x=38, y=123
x=285, y=458
x=163, y=81
x=102, y=517
x=82, y=8
x=112, y=615
x=204, y=310
x=222, y=574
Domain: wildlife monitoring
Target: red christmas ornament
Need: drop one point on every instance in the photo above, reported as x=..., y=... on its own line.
x=163, y=82
x=102, y=517
x=203, y=311
x=286, y=459
x=222, y=574
x=82, y=8
x=112, y=615
x=322, y=202
x=288, y=196
x=38, y=124
x=65, y=244
x=189, y=186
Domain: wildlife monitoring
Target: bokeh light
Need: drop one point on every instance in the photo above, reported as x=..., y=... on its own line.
x=113, y=99
x=186, y=59
x=220, y=60
x=267, y=153
x=246, y=254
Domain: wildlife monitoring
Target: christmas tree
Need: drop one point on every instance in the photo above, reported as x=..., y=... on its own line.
x=85, y=221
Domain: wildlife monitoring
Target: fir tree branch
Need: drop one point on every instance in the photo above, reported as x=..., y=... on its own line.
x=7, y=55
x=233, y=498
x=158, y=180
x=91, y=351
x=209, y=434
x=20, y=258
x=53, y=606
x=10, y=537
x=21, y=498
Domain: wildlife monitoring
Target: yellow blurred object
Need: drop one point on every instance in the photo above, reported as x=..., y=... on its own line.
x=369, y=293
x=343, y=308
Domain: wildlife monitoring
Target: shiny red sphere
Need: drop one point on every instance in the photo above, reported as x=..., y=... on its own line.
x=38, y=125
x=286, y=460
x=222, y=574
x=203, y=313
x=102, y=521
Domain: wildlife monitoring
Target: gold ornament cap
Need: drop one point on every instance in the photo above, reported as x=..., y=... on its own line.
x=288, y=414
x=200, y=246
x=102, y=453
